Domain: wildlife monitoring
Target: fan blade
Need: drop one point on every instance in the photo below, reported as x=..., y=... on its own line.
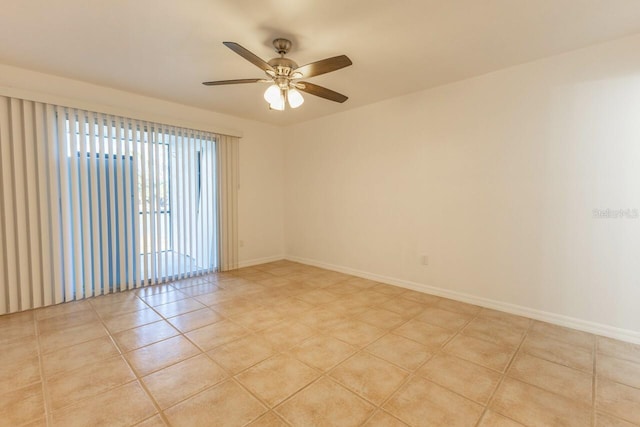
x=249, y=56
x=322, y=92
x=324, y=66
x=232, y=82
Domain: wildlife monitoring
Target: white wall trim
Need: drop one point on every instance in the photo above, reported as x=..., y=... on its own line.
x=545, y=316
x=258, y=261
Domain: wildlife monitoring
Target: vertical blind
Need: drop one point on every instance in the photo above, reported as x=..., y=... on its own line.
x=93, y=204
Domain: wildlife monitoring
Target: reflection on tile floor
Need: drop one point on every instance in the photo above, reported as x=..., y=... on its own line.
x=287, y=344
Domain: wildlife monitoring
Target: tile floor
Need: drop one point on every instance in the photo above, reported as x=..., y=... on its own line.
x=286, y=344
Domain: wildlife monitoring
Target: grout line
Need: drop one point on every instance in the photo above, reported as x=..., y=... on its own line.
x=48, y=411
x=504, y=374
x=135, y=373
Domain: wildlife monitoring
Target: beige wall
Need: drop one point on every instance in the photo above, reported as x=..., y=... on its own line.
x=261, y=159
x=495, y=179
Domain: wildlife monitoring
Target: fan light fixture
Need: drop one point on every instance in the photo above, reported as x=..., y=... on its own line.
x=283, y=74
x=276, y=97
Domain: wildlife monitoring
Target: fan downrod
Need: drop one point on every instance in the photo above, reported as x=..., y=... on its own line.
x=282, y=46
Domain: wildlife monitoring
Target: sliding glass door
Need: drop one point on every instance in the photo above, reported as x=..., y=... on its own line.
x=138, y=202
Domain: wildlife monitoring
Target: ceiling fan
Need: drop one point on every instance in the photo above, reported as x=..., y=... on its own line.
x=284, y=74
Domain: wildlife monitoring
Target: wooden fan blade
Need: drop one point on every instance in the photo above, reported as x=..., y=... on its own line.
x=232, y=82
x=322, y=92
x=249, y=56
x=324, y=66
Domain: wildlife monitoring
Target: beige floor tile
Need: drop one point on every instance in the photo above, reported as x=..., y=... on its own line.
x=480, y=352
x=420, y=297
x=347, y=307
x=277, y=378
x=468, y=379
x=381, y=318
x=117, y=309
x=113, y=298
x=177, y=308
x=268, y=420
x=423, y=403
x=16, y=330
x=132, y=339
x=211, y=336
x=493, y=419
x=370, y=377
x=317, y=297
x=401, y=351
x=243, y=353
x=122, y=406
x=89, y=381
x=369, y=298
x=619, y=400
x=184, y=379
x=234, y=306
x=22, y=405
x=433, y=337
x=20, y=373
x=383, y=419
x=59, y=309
x=291, y=307
x=287, y=334
x=458, y=306
x=321, y=319
x=532, y=406
x=619, y=349
x=553, y=377
x=544, y=347
x=358, y=282
x=518, y=322
x=605, y=420
x=259, y=319
x=88, y=353
x=343, y=288
x=566, y=335
x=402, y=306
x=161, y=354
x=153, y=290
x=195, y=319
x=355, y=332
x=322, y=352
x=226, y=404
x=388, y=289
x=494, y=331
x=200, y=289
x=131, y=320
x=57, y=339
x=619, y=370
x=164, y=297
x=445, y=319
x=41, y=422
x=155, y=421
x=325, y=403
x=17, y=351
x=67, y=320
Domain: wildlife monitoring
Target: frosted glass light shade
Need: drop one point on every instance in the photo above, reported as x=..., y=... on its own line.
x=272, y=94
x=295, y=98
x=278, y=104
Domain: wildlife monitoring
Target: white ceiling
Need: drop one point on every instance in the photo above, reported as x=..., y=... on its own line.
x=166, y=48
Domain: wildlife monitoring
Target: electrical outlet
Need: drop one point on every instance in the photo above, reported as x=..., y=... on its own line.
x=241, y=243
x=424, y=259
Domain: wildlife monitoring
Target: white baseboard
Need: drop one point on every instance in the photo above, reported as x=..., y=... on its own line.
x=545, y=316
x=256, y=261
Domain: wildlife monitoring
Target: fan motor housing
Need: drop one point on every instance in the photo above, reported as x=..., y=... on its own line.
x=283, y=66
